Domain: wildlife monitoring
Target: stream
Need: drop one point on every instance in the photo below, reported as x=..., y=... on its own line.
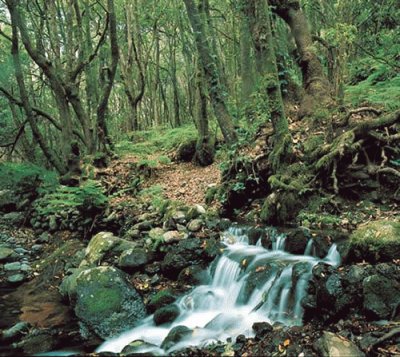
x=249, y=284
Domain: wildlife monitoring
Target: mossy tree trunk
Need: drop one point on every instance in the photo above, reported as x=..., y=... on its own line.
x=315, y=82
x=260, y=29
x=209, y=63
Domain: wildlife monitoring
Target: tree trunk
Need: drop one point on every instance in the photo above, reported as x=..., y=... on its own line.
x=207, y=58
x=315, y=83
x=260, y=28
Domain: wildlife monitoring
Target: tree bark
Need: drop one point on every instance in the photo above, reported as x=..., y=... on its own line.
x=207, y=58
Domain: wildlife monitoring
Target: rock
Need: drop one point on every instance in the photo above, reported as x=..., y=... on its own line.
x=37, y=342
x=332, y=345
x=255, y=234
x=25, y=267
x=166, y=314
x=177, y=334
x=133, y=259
x=8, y=201
x=132, y=234
x=173, y=236
x=191, y=251
x=43, y=238
x=12, y=266
x=195, y=225
x=194, y=275
x=381, y=296
x=161, y=299
x=296, y=241
x=15, y=331
x=103, y=245
x=6, y=254
x=143, y=226
x=261, y=329
x=16, y=278
x=67, y=287
x=156, y=233
x=37, y=248
x=179, y=217
x=106, y=302
x=137, y=347
x=375, y=241
x=21, y=251
x=14, y=218
x=53, y=226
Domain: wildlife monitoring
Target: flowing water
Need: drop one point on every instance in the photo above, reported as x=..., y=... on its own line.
x=249, y=284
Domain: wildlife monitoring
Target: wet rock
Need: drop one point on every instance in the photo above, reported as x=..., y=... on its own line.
x=261, y=329
x=133, y=259
x=332, y=345
x=136, y=348
x=14, y=332
x=194, y=275
x=53, y=226
x=177, y=334
x=166, y=314
x=143, y=226
x=191, y=251
x=37, y=248
x=195, y=225
x=36, y=342
x=106, y=302
x=296, y=241
x=161, y=299
x=255, y=234
x=375, y=241
x=6, y=254
x=43, y=238
x=381, y=296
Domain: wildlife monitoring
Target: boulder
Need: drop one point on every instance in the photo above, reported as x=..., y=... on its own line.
x=139, y=348
x=173, y=236
x=296, y=241
x=161, y=299
x=332, y=345
x=261, y=329
x=195, y=225
x=133, y=259
x=177, y=334
x=102, y=246
x=194, y=275
x=166, y=314
x=6, y=254
x=375, y=241
x=191, y=251
x=105, y=301
x=381, y=296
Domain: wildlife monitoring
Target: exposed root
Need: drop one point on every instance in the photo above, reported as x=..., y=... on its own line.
x=384, y=338
x=349, y=113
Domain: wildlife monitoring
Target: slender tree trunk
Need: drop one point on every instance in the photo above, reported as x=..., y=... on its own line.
x=49, y=154
x=260, y=28
x=207, y=58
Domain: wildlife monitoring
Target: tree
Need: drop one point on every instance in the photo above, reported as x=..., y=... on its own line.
x=208, y=59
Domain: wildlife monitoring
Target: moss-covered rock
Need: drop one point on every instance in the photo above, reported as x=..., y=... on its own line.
x=177, y=334
x=103, y=245
x=166, y=314
x=375, y=241
x=161, y=299
x=133, y=259
x=105, y=302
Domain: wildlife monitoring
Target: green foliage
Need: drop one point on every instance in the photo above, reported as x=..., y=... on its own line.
x=155, y=195
x=19, y=175
x=86, y=199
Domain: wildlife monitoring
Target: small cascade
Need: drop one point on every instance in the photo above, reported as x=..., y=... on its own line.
x=250, y=284
x=309, y=247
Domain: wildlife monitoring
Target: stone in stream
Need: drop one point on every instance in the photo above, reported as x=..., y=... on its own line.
x=135, y=347
x=161, y=299
x=177, y=334
x=16, y=278
x=332, y=345
x=12, y=266
x=166, y=314
x=106, y=302
x=261, y=329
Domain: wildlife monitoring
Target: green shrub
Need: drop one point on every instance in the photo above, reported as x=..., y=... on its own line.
x=26, y=177
x=88, y=198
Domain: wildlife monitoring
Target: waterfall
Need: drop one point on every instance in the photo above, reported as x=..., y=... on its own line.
x=250, y=284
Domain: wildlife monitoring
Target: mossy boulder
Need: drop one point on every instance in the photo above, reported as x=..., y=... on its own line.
x=177, y=334
x=161, y=299
x=375, y=241
x=102, y=246
x=105, y=301
x=133, y=259
x=166, y=314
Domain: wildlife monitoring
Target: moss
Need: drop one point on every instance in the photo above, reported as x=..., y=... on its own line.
x=376, y=241
x=104, y=301
x=313, y=143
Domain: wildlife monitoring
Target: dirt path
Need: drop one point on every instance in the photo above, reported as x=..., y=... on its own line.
x=185, y=182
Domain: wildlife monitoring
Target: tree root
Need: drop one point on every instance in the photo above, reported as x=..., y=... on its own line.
x=349, y=113
x=384, y=338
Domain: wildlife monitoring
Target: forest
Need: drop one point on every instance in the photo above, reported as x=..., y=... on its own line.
x=200, y=177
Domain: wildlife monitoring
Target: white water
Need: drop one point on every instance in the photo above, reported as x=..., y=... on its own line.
x=223, y=309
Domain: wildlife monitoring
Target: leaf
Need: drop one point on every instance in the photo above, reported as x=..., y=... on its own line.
x=286, y=342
